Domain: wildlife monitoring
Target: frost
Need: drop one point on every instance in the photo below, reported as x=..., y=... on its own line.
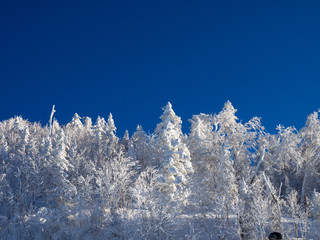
x=224, y=180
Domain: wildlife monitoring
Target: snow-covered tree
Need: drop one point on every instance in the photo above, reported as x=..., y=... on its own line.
x=124, y=142
x=310, y=153
x=238, y=137
x=74, y=130
x=142, y=148
x=106, y=142
x=227, y=190
x=315, y=205
x=62, y=191
x=201, y=143
x=155, y=218
x=242, y=144
x=283, y=158
x=175, y=165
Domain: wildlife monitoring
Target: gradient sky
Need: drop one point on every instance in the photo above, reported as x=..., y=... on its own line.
x=131, y=57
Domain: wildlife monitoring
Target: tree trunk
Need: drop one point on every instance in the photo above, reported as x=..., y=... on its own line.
x=306, y=175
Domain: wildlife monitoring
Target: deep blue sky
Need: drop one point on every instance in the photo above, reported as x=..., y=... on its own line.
x=132, y=57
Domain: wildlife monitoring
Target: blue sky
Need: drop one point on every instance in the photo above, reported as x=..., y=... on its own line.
x=131, y=57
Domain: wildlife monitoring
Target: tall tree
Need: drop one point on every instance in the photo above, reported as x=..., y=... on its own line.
x=310, y=153
x=175, y=165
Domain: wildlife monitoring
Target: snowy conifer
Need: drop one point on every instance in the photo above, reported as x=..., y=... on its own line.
x=201, y=143
x=124, y=142
x=142, y=148
x=175, y=165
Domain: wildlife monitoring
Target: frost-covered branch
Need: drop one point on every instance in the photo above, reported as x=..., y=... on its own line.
x=51, y=119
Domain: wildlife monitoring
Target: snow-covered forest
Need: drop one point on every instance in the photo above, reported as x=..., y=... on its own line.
x=225, y=179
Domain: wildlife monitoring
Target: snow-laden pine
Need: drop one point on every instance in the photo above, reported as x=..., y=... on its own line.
x=175, y=167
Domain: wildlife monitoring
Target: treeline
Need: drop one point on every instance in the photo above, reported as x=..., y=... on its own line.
x=224, y=180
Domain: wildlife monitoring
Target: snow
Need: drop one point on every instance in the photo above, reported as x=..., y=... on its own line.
x=225, y=180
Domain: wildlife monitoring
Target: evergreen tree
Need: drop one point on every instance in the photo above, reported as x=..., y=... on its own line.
x=175, y=165
x=142, y=148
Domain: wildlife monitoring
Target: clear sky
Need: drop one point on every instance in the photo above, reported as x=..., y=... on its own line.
x=131, y=57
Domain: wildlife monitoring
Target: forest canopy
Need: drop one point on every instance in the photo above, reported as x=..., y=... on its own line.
x=223, y=180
